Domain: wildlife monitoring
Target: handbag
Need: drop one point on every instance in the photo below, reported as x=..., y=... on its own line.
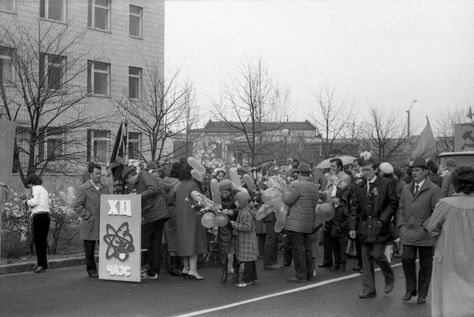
x=369, y=229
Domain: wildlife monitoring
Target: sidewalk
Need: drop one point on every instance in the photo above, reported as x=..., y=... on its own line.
x=30, y=264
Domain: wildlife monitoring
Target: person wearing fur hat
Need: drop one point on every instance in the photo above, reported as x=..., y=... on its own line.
x=247, y=248
x=219, y=173
x=225, y=239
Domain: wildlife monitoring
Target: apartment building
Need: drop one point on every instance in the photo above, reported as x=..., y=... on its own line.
x=105, y=48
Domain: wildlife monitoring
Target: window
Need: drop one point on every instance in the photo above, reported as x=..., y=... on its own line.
x=53, y=9
x=135, y=28
x=134, y=145
x=52, y=68
x=134, y=82
x=98, y=75
x=7, y=5
x=53, y=145
x=99, y=14
x=6, y=66
x=98, y=145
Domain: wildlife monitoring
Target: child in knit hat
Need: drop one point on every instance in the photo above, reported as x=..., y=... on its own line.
x=247, y=250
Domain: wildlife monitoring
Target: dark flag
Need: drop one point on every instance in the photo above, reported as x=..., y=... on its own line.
x=119, y=157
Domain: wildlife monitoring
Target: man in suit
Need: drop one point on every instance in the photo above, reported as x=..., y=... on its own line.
x=87, y=206
x=373, y=207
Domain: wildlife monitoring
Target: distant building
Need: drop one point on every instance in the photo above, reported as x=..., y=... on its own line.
x=275, y=140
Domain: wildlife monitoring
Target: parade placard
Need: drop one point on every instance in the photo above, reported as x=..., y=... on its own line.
x=120, y=238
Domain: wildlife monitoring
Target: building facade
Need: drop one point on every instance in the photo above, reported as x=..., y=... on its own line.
x=90, y=53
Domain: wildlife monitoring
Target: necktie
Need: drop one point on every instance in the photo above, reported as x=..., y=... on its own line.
x=417, y=188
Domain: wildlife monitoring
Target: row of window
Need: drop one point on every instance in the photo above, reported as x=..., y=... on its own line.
x=98, y=146
x=98, y=14
x=52, y=69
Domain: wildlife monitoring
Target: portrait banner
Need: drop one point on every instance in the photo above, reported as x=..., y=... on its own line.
x=464, y=137
x=120, y=238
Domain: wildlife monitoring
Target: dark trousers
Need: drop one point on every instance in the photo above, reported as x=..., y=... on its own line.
x=374, y=253
x=358, y=251
x=89, y=249
x=338, y=246
x=153, y=233
x=261, y=238
x=287, y=253
x=40, y=235
x=250, y=272
x=302, y=254
x=409, y=268
x=327, y=248
x=270, y=255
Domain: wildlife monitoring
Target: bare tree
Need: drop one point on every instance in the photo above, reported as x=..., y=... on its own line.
x=331, y=118
x=43, y=97
x=383, y=134
x=247, y=104
x=445, y=127
x=162, y=111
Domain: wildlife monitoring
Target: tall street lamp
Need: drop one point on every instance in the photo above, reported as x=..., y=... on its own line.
x=408, y=119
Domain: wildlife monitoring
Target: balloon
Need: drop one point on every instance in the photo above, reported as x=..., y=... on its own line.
x=277, y=182
x=280, y=216
x=222, y=220
x=208, y=220
x=273, y=197
x=64, y=197
x=234, y=177
x=263, y=211
x=196, y=165
x=325, y=211
x=249, y=182
x=215, y=192
x=71, y=193
x=197, y=175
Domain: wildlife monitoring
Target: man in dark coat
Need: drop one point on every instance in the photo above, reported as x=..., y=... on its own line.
x=373, y=207
x=417, y=203
x=302, y=201
x=154, y=215
x=87, y=206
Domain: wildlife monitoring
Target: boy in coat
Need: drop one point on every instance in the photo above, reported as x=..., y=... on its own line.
x=339, y=231
x=247, y=250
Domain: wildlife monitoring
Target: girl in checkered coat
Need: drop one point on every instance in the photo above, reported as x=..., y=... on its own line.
x=247, y=251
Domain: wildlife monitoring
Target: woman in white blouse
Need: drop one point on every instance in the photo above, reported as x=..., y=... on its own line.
x=39, y=203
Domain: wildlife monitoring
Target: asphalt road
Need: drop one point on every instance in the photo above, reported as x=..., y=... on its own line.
x=69, y=292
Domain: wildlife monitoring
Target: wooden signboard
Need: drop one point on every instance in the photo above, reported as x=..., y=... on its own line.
x=120, y=238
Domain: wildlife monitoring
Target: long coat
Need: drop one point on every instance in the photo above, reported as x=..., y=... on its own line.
x=302, y=202
x=452, y=281
x=414, y=210
x=190, y=234
x=87, y=206
x=170, y=185
x=381, y=202
x=247, y=249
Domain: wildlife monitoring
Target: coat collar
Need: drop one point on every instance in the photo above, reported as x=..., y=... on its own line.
x=426, y=186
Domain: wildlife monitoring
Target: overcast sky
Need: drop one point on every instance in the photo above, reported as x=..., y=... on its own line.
x=381, y=52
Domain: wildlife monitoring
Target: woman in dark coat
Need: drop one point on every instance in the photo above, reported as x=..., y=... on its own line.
x=190, y=234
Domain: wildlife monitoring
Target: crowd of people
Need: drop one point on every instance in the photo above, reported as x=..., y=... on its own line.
x=378, y=212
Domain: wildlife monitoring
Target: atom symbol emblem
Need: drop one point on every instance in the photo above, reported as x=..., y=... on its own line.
x=119, y=242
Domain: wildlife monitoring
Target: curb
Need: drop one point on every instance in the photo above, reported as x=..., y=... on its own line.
x=52, y=264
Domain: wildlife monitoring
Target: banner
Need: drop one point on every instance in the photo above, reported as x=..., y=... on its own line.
x=120, y=238
x=425, y=145
x=7, y=142
x=464, y=137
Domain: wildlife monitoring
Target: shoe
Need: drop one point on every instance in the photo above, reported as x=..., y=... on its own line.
x=334, y=268
x=357, y=268
x=296, y=280
x=272, y=267
x=389, y=287
x=148, y=276
x=195, y=276
x=39, y=269
x=408, y=295
x=421, y=300
x=340, y=269
x=176, y=272
x=235, y=277
x=365, y=295
x=324, y=265
x=243, y=284
x=93, y=274
x=224, y=275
